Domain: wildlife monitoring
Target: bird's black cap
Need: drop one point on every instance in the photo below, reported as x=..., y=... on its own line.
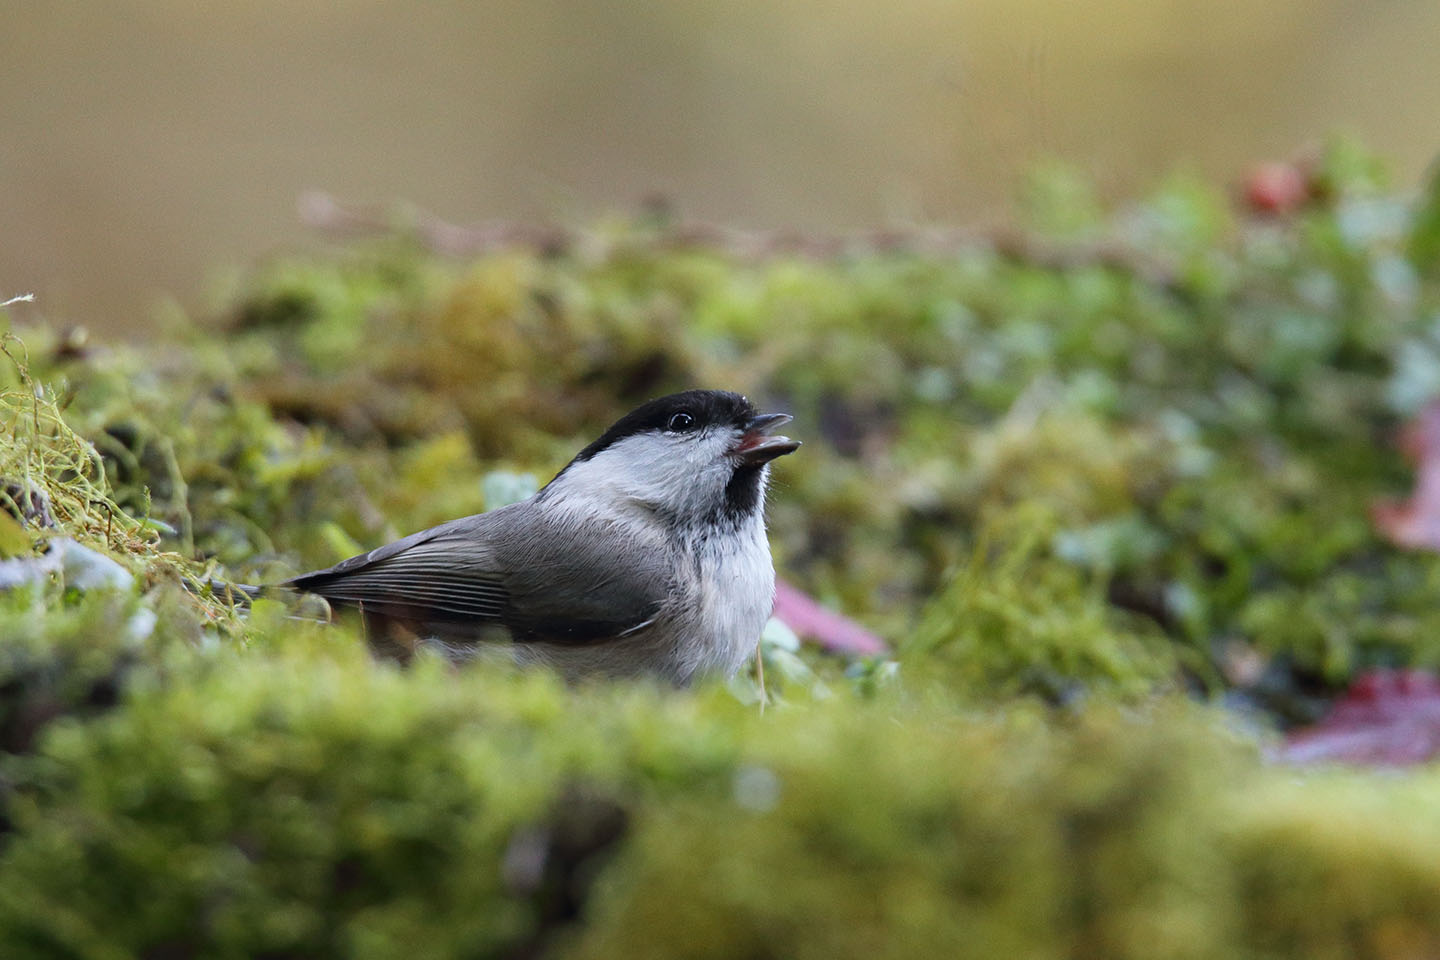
x=704, y=407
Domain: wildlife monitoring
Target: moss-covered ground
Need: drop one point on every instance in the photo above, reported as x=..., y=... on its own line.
x=1104, y=484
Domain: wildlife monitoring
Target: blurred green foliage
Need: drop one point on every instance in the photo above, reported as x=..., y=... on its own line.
x=1080, y=477
x=312, y=803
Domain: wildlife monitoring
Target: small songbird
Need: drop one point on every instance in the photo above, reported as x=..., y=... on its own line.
x=645, y=555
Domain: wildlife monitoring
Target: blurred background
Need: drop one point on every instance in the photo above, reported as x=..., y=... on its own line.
x=145, y=146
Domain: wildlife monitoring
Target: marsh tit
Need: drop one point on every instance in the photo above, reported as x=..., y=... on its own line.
x=646, y=554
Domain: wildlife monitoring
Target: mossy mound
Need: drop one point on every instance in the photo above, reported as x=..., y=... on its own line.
x=317, y=804
x=1074, y=477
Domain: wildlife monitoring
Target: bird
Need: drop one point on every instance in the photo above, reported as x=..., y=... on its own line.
x=646, y=555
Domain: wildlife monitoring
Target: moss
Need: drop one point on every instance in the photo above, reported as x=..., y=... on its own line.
x=1060, y=468
x=63, y=657
x=320, y=807
x=313, y=803
x=1014, y=620
x=51, y=475
x=967, y=838
x=1338, y=866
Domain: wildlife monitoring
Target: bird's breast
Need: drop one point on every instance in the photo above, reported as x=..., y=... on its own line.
x=734, y=594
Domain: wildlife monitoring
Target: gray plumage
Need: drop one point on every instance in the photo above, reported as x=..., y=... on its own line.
x=646, y=554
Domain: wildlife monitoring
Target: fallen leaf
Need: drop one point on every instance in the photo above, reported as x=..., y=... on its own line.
x=1388, y=718
x=829, y=629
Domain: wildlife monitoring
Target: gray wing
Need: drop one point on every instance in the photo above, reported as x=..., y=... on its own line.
x=555, y=579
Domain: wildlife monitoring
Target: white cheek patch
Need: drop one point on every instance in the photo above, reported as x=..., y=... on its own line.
x=678, y=472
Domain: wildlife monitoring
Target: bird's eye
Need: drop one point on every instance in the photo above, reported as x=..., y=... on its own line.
x=681, y=421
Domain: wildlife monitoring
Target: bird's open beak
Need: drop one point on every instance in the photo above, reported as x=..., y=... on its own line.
x=756, y=446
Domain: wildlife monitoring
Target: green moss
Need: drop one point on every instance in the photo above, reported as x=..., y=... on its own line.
x=1014, y=620
x=313, y=803
x=1066, y=467
x=63, y=656
x=1338, y=866
x=967, y=838
x=323, y=806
